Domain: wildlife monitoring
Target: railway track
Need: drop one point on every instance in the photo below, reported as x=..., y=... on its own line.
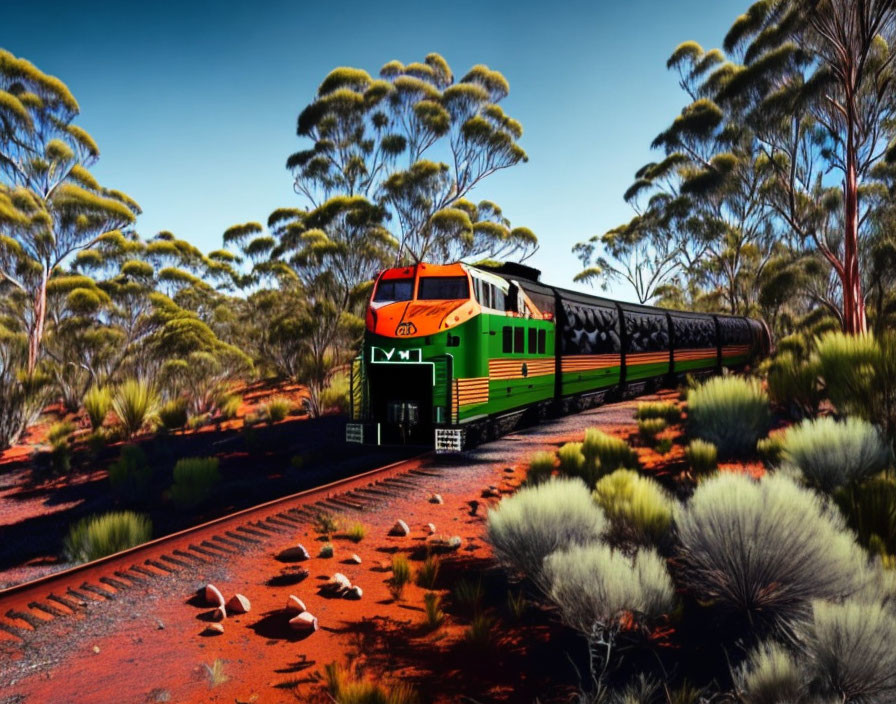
x=30, y=606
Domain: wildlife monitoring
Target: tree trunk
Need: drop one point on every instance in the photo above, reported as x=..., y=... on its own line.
x=37, y=327
x=853, y=302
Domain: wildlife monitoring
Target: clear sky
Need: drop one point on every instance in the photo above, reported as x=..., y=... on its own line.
x=194, y=104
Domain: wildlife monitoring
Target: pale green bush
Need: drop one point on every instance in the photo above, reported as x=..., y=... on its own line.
x=702, y=457
x=607, y=451
x=528, y=526
x=771, y=675
x=135, y=403
x=638, y=508
x=97, y=404
x=795, y=384
x=130, y=475
x=275, y=409
x=173, y=414
x=541, y=466
x=666, y=410
x=97, y=536
x=649, y=428
x=194, y=479
x=729, y=411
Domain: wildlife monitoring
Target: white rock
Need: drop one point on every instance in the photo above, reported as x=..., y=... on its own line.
x=294, y=554
x=400, y=528
x=442, y=543
x=338, y=584
x=238, y=604
x=213, y=595
x=355, y=558
x=295, y=605
x=436, y=499
x=215, y=629
x=354, y=593
x=304, y=622
x=219, y=614
x=431, y=527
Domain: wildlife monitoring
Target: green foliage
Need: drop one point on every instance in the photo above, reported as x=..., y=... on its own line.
x=528, y=526
x=480, y=634
x=664, y=446
x=173, y=414
x=336, y=395
x=229, y=405
x=428, y=572
x=794, y=384
x=194, y=480
x=571, y=459
x=356, y=532
x=401, y=575
x=94, y=537
x=870, y=511
x=730, y=412
x=97, y=403
x=666, y=410
x=326, y=523
x=593, y=584
x=639, y=510
x=761, y=551
x=649, y=428
x=541, y=467
x=607, y=451
x=344, y=688
x=702, y=457
x=771, y=449
x=468, y=595
x=276, y=409
x=130, y=475
x=771, y=675
x=326, y=550
x=831, y=454
x=135, y=404
x=433, y=609
x=60, y=432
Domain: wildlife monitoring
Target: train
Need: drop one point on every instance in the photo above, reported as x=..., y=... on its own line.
x=454, y=355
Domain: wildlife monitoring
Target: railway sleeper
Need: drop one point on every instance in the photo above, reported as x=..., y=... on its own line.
x=272, y=526
x=216, y=553
x=130, y=577
x=116, y=584
x=46, y=608
x=253, y=529
x=378, y=492
x=403, y=482
x=347, y=503
x=426, y=473
x=93, y=589
x=242, y=538
x=13, y=630
x=142, y=570
x=34, y=621
x=303, y=514
x=159, y=566
x=224, y=541
x=70, y=604
x=281, y=526
x=285, y=515
x=82, y=598
x=193, y=559
x=175, y=561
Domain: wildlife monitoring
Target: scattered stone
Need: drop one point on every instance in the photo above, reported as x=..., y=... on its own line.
x=508, y=470
x=213, y=595
x=219, y=614
x=491, y=491
x=338, y=585
x=214, y=629
x=431, y=527
x=354, y=593
x=238, y=604
x=160, y=625
x=443, y=543
x=96, y=649
x=304, y=623
x=356, y=559
x=294, y=554
x=474, y=507
x=436, y=499
x=400, y=528
x=295, y=605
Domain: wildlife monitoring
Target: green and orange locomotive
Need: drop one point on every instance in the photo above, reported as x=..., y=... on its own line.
x=456, y=354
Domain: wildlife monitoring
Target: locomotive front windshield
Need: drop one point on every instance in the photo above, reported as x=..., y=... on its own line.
x=394, y=290
x=443, y=288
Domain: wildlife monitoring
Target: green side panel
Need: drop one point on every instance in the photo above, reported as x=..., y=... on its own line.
x=508, y=394
x=645, y=371
x=440, y=388
x=735, y=361
x=695, y=364
x=579, y=382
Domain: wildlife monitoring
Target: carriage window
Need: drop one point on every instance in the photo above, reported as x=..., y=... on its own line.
x=533, y=341
x=499, y=302
x=443, y=288
x=508, y=340
x=518, y=339
x=394, y=290
x=542, y=341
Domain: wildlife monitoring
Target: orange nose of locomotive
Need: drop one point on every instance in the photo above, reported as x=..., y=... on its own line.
x=420, y=300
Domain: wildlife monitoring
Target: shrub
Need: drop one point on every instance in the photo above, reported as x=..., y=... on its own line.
x=480, y=634
x=847, y=365
x=771, y=449
x=276, y=409
x=541, y=466
x=135, y=403
x=530, y=525
x=356, y=532
x=663, y=447
x=870, y=510
x=428, y=572
x=593, y=584
x=432, y=604
x=666, y=410
x=761, y=551
x=346, y=689
x=851, y=651
x=607, y=451
x=60, y=432
x=173, y=414
x=336, y=395
x=832, y=454
x=194, y=479
x=571, y=459
x=730, y=412
x=638, y=508
x=216, y=673
x=229, y=405
x=649, y=428
x=401, y=575
x=97, y=404
x=771, y=675
x=130, y=475
x=468, y=595
x=702, y=457
x=794, y=384
x=325, y=523
x=326, y=550
x=97, y=536
x=196, y=422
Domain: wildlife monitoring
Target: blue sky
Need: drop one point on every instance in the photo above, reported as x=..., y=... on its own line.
x=194, y=104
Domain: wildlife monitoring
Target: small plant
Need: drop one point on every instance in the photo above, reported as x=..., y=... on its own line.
x=870, y=510
x=666, y=410
x=574, y=464
x=639, y=509
x=135, y=404
x=730, y=412
x=336, y=395
x=607, y=451
x=516, y=605
x=432, y=603
x=198, y=421
x=356, y=532
x=771, y=675
x=276, y=409
x=401, y=575
x=663, y=446
x=344, y=688
x=480, y=635
x=97, y=404
x=702, y=457
x=468, y=595
x=60, y=450
x=194, y=479
x=428, y=572
x=528, y=526
x=541, y=466
x=326, y=550
x=649, y=428
x=173, y=414
x=326, y=523
x=130, y=475
x=94, y=537
x=96, y=442
x=215, y=672
x=771, y=449
x=60, y=432
x=831, y=454
x=229, y=405
x=794, y=384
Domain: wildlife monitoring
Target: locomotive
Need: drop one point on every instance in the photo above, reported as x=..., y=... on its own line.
x=454, y=355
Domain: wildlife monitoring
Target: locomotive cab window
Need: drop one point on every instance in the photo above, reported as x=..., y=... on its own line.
x=518, y=339
x=394, y=290
x=443, y=288
x=533, y=341
x=507, y=346
x=542, y=341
